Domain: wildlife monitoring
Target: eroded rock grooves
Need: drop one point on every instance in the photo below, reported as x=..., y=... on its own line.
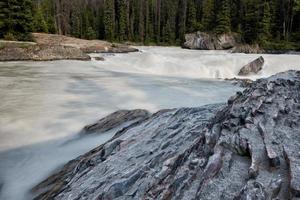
x=247, y=149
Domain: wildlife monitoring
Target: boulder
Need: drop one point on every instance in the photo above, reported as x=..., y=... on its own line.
x=99, y=58
x=205, y=41
x=245, y=149
x=253, y=67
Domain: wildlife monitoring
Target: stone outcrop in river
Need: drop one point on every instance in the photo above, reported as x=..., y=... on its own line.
x=253, y=67
x=205, y=41
x=245, y=149
x=226, y=41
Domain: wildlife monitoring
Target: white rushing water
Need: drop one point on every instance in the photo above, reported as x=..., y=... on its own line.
x=45, y=104
x=170, y=61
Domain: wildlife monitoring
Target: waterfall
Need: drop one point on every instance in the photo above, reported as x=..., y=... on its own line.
x=177, y=62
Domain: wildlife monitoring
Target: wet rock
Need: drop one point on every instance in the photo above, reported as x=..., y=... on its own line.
x=99, y=59
x=252, y=191
x=116, y=119
x=253, y=67
x=247, y=149
x=205, y=41
x=240, y=82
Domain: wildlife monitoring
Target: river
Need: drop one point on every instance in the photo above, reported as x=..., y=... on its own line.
x=44, y=105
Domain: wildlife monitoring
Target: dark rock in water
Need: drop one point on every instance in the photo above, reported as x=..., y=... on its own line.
x=247, y=149
x=116, y=119
x=205, y=41
x=99, y=58
x=240, y=82
x=253, y=67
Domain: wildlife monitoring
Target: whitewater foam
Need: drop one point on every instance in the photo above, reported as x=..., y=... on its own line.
x=177, y=62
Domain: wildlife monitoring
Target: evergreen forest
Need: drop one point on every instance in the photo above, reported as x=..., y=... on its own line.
x=271, y=23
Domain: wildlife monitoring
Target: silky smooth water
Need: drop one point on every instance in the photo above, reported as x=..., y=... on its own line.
x=45, y=104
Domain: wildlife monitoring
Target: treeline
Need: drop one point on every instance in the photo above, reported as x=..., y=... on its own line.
x=153, y=21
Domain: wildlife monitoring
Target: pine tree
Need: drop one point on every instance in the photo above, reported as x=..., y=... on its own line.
x=223, y=18
x=208, y=15
x=191, y=23
x=265, y=25
x=39, y=23
x=3, y=18
x=17, y=19
x=51, y=25
x=122, y=20
x=90, y=33
x=109, y=19
x=149, y=23
x=141, y=21
x=181, y=28
x=100, y=24
x=75, y=25
x=48, y=11
x=251, y=21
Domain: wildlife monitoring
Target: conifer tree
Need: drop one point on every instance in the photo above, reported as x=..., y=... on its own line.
x=265, y=25
x=223, y=18
x=181, y=28
x=191, y=17
x=251, y=21
x=17, y=19
x=122, y=20
x=109, y=19
x=3, y=18
x=208, y=14
x=39, y=23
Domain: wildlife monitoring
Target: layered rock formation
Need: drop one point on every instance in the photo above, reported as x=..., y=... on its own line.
x=253, y=67
x=115, y=120
x=205, y=41
x=248, y=148
x=49, y=47
x=40, y=52
x=226, y=41
x=87, y=46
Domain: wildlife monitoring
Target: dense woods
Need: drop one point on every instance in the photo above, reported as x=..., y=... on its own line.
x=267, y=22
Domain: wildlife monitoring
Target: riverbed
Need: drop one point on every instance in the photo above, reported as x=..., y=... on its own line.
x=44, y=105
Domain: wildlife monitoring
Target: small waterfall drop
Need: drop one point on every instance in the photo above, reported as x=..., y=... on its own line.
x=177, y=62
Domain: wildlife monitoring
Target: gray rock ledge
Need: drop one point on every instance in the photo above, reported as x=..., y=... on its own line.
x=246, y=149
x=253, y=67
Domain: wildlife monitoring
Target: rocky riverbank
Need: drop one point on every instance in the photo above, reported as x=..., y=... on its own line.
x=226, y=41
x=57, y=47
x=245, y=149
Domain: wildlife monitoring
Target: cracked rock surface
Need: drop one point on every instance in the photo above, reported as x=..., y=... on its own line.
x=248, y=149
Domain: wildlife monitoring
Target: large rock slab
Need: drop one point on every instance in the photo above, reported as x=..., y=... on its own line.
x=40, y=52
x=87, y=46
x=205, y=41
x=253, y=67
x=246, y=149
